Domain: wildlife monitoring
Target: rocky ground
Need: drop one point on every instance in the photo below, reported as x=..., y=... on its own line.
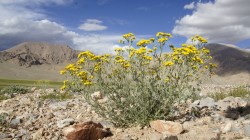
x=26, y=117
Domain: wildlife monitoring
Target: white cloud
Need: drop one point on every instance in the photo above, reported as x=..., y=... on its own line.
x=96, y=43
x=92, y=25
x=190, y=6
x=220, y=21
x=19, y=22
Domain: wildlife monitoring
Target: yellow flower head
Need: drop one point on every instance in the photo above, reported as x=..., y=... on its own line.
x=143, y=43
x=129, y=37
x=168, y=63
x=62, y=72
x=152, y=39
x=162, y=40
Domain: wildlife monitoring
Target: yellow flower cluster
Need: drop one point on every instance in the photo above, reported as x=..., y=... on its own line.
x=162, y=40
x=80, y=61
x=206, y=51
x=212, y=65
x=143, y=42
x=198, y=38
x=62, y=72
x=141, y=51
x=162, y=34
x=85, y=58
x=198, y=59
x=64, y=85
x=168, y=63
x=149, y=58
x=139, y=61
x=119, y=51
x=163, y=37
x=87, y=54
x=121, y=60
x=129, y=37
x=185, y=50
x=72, y=68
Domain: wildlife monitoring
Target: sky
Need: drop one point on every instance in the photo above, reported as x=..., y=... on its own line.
x=97, y=25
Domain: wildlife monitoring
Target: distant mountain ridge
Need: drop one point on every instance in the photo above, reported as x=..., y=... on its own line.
x=37, y=53
x=230, y=59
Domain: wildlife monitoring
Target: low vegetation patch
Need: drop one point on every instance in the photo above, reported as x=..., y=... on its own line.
x=15, y=89
x=3, y=121
x=7, y=92
x=3, y=97
x=241, y=91
x=140, y=84
x=28, y=83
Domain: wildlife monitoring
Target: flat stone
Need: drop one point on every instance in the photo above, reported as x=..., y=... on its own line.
x=227, y=127
x=4, y=136
x=15, y=122
x=170, y=138
x=246, y=130
x=58, y=105
x=106, y=124
x=65, y=122
x=167, y=127
x=207, y=102
x=38, y=134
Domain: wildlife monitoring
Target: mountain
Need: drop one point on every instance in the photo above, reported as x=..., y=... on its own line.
x=36, y=53
x=230, y=59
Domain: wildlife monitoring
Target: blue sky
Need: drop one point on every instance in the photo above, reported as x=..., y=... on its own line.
x=97, y=25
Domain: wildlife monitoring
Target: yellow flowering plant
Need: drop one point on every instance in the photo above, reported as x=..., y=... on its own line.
x=140, y=84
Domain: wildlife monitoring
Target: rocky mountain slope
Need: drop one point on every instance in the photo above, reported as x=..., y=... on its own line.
x=230, y=59
x=35, y=53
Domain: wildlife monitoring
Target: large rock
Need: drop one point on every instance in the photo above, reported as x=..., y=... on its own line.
x=230, y=102
x=86, y=131
x=167, y=127
x=207, y=102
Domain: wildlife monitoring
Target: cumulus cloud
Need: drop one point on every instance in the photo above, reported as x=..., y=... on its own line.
x=19, y=22
x=97, y=43
x=220, y=21
x=92, y=25
x=189, y=6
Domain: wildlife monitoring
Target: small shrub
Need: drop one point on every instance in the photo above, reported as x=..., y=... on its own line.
x=241, y=91
x=141, y=84
x=57, y=96
x=3, y=121
x=15, y=89
x=3, y=97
